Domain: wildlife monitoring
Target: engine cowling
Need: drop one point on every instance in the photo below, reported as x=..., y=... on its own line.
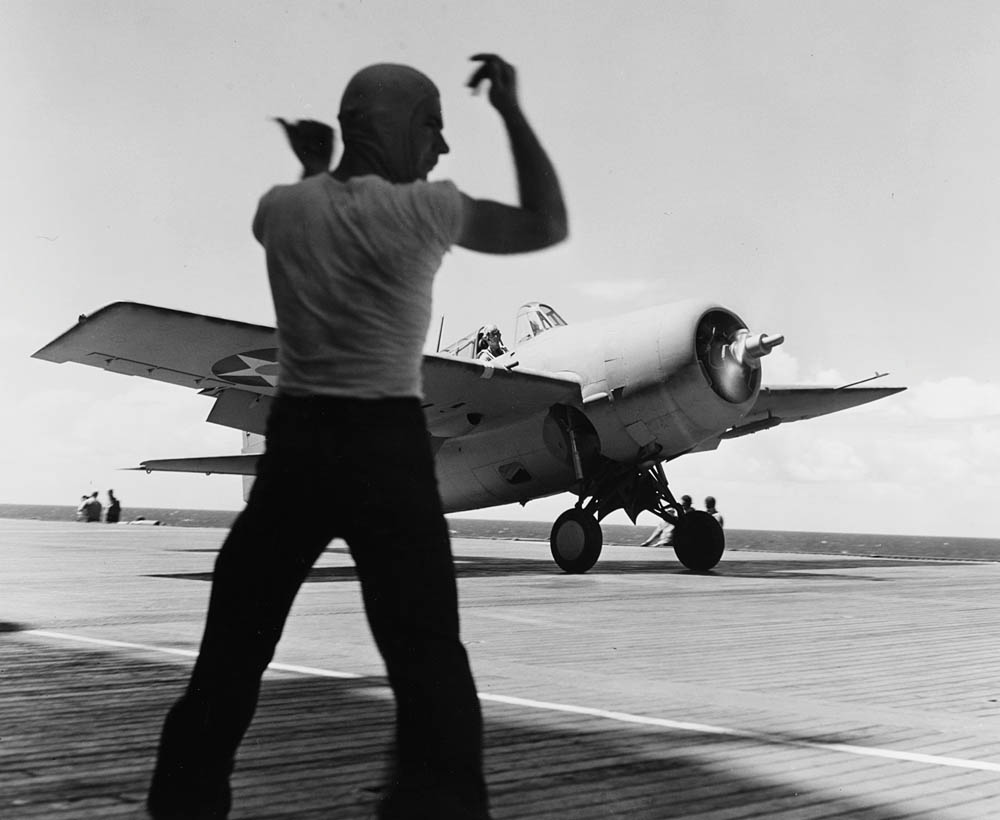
x=674, y=377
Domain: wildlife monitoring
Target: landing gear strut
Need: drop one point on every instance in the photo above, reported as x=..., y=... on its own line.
x=576, y=538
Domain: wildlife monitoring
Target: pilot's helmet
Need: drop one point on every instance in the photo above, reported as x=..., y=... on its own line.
x=489, y=330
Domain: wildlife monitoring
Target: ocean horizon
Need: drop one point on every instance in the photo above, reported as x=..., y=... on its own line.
x=866, y=544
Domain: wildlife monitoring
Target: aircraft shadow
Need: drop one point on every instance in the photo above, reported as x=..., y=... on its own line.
x=85, y=737
x=487, y=567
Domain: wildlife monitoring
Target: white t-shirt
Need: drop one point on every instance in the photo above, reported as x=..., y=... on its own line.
x=351, y=266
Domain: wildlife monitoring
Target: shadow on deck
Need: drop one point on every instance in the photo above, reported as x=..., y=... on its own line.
x=79, y=727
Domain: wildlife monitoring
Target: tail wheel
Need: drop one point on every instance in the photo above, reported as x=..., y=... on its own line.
x=576, y=541
x=699, y=541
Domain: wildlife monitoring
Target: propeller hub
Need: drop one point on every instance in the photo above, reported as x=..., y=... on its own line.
x=730, y=355
x=759, y=345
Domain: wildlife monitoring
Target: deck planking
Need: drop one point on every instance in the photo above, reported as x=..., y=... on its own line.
x=640, y=690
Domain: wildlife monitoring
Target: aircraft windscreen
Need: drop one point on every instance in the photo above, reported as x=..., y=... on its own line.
x=534, y=319
x=464, y=347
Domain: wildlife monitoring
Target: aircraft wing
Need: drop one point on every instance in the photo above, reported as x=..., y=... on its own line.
x=780, y=405
x=209, y=465
x=462, y=395
x=233, y=362
x=236, y=364
x=186, y=349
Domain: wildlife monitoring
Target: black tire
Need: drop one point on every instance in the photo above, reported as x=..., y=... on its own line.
x=699, y=541
x=576, y=541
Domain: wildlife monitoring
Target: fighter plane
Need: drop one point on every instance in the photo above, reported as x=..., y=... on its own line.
x=594, y=408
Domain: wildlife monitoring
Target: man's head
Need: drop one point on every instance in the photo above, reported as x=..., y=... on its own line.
x=391, y=120
x=710, y=503
x=685, y=501
x=490, y=334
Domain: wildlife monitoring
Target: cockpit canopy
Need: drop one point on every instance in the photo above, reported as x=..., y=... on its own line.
x=533, y=319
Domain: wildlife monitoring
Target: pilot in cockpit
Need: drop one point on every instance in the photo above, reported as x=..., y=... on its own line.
x=490, y=343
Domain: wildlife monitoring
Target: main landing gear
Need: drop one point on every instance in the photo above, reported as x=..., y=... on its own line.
x=576, y=541
x=576, y=538
x=698, y=541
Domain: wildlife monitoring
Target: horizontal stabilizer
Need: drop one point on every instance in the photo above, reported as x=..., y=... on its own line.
x=219, y=465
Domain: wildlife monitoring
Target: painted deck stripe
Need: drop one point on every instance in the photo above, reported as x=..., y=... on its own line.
x=620, y=717
x=761, y=737
x=187, y=653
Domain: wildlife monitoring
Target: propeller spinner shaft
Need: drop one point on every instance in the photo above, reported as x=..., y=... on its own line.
x=759, y=345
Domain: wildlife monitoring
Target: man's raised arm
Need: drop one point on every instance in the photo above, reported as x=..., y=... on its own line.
x=312, y=142
x=540, y=221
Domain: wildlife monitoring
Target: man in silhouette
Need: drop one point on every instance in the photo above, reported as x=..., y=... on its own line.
x=351, y=258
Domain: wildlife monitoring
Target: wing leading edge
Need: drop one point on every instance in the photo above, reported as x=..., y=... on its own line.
x=186, y=349
x=780, y=405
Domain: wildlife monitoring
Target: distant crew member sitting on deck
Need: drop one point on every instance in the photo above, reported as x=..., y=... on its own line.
x=94, y=508
x=81, y=511
x=663, y=535
x=710, y=509
x=490, y=343
x=114, y=509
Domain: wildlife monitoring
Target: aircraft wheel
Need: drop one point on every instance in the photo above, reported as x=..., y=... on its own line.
x=699, y=541
x=576, y=541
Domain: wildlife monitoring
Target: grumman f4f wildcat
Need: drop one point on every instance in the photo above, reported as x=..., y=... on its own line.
x=595, y=408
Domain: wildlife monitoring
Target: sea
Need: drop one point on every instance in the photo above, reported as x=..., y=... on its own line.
x=827, y=543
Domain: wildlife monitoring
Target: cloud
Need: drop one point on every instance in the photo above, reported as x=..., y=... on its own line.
x=823, y=459
x=915, y=457
x=830, y=376
x=957, y=397
x=986, y=441
x=782, y=368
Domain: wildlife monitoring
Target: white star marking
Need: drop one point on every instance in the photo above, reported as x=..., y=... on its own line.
x=254, y=368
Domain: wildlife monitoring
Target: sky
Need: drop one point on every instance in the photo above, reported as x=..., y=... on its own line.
x=829, y=171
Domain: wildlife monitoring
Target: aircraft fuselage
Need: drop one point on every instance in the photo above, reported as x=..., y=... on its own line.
x=646, y=397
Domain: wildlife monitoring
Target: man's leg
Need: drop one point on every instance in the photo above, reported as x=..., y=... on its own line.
x=399, y=539
x=258, y=572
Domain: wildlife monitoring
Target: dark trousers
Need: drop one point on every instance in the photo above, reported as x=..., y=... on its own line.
x=362, y=471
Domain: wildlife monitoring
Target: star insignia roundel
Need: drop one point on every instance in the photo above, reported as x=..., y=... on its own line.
x=255, y=368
